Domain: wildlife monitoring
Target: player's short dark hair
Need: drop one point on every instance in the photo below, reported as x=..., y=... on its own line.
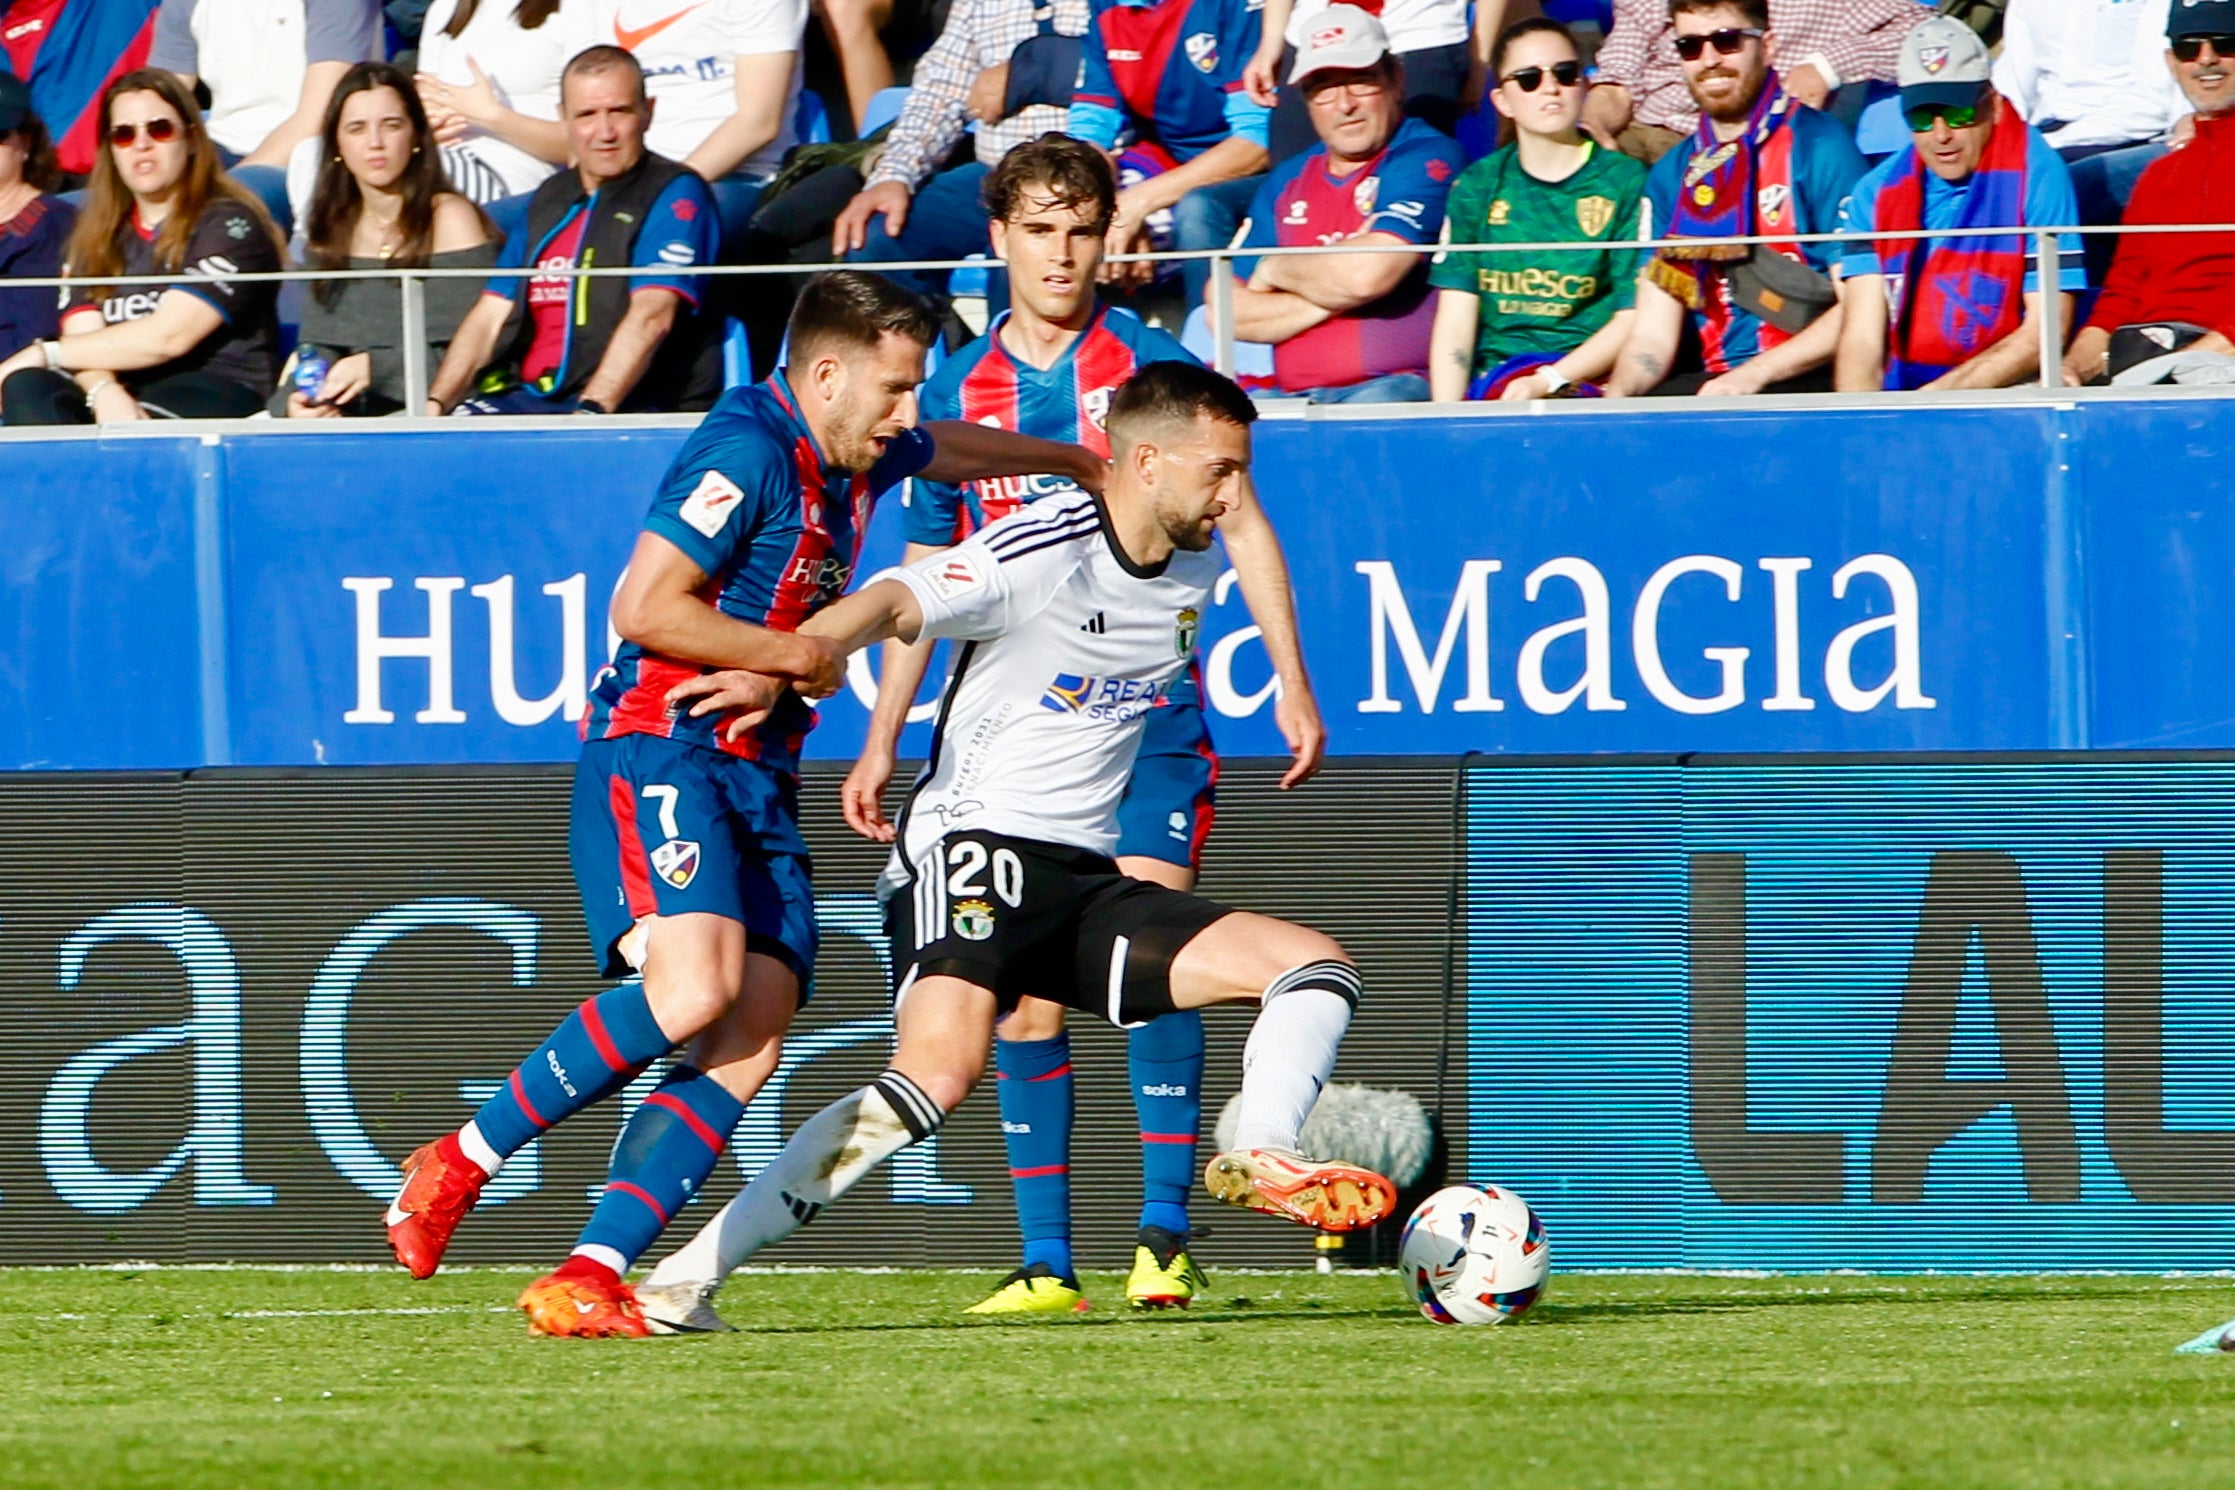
x=1169, y=394
x=1532, y=26
x=855, y=310
x=1755, y=12
x=602, y=58
x=1071, y=171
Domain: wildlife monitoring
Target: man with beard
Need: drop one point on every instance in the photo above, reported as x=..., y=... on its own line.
x=1761, y=165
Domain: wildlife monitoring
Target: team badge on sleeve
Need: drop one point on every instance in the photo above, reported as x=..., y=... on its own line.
x=676, y=861
x=710, y=502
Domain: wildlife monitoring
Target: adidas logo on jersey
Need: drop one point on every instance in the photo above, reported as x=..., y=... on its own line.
x=1094, y=624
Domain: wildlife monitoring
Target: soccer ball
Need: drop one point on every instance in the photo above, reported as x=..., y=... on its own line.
x=1474, y=1255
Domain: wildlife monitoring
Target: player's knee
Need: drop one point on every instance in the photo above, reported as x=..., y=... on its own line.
x=688, y=1007
x=1032, y=1019
x=1300, y=946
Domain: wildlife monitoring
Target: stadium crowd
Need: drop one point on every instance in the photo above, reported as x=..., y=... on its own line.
x=204, y=138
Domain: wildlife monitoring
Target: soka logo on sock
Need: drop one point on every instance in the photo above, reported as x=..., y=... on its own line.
x=677, y=862
x=551, y=1058
x=1009, y=1127
x=1164, y=1089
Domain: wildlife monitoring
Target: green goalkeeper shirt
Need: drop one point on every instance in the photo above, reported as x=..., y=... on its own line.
x=1548, y=300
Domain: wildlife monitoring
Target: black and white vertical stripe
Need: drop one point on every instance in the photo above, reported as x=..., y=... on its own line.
x=472, y=177
x=919, y=1112
x=1338, y=978
x=930, y=902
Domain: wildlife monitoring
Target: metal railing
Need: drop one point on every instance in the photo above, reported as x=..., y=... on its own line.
x=412, y=282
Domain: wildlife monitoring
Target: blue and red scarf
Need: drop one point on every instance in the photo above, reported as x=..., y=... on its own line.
x=1957, y=296
x=1734, y=188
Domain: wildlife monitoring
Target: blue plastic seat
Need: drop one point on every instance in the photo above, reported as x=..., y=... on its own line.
x=883, y=109
x=810, y=119
x=1880, y=130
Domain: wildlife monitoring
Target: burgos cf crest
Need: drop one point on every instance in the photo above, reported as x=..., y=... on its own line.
x=1592, y=214
x=1202, y=50
x=973, y=920
x=676, y=861
x=1184, y=631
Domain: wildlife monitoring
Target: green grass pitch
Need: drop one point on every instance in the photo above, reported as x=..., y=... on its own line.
x=252, y=1377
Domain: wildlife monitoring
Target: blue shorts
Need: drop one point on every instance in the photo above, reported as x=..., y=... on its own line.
x=1169, y=804
x=661, y=828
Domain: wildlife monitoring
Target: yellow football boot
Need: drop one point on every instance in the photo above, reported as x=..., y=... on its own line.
x=1164, y=1276
x=1038, y=1289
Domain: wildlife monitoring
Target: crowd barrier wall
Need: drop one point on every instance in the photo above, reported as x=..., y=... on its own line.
x=1895, y=1013
x=2011, y=573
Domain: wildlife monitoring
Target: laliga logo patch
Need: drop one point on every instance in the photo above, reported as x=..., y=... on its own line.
x=1185, y=630
x=1771, y=200
x=1366, y=194
x=708, y=506
x=1932, y=59
x=676, y=861
x=1202, y=50
x=955, y=576
x=973, y=920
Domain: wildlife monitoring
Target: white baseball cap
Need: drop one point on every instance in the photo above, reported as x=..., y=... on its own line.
x=1341, y=36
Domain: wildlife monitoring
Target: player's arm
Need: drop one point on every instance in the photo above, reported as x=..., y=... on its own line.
x=862, y=796
x=880, y=609
x=1262, y=570
x=660, y=609
x=964, y=452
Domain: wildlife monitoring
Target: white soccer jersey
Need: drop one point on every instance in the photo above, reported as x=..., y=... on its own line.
x=1066, y=647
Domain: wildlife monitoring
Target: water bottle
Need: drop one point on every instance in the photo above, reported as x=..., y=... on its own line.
x=310, y=374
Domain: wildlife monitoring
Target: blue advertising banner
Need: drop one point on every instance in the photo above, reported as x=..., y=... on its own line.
x=1896, y=1016
x=1618, y=580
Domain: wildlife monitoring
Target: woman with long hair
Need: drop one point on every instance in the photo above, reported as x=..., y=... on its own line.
x=489, y=76
x=33, y=225
x=382, y=202
x=201, y=345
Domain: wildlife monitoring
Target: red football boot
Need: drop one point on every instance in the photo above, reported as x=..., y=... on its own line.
x=583, y=1298
x=1329, y=1195
x=440, y=1186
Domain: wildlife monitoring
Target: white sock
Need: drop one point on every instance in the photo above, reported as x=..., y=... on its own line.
x=1291, y=1052
x=477, y=1149
x=831, y=1151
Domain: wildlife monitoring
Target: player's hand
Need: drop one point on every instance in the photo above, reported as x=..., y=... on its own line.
x=1297, y=714
x=751, y=695
x=851, y=230
x=862, y=797
x=821, y=670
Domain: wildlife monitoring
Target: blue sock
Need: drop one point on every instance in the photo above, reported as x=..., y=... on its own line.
x=663, y=1156
x=1164, y=1058
x=1035, y=1089
x=595, y=1051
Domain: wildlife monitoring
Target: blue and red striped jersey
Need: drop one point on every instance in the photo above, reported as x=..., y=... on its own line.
x=67, y=52
x=777, y=533
x=1400, y=192
x=1169, y=67
x=983, y=384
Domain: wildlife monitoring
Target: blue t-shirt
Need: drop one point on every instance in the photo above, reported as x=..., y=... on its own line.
x=750, y=501
x=1173, y=70
x=31, y=248
x=2049, y=203
x=1826, y=166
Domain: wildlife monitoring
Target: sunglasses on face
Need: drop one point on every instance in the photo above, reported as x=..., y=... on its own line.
x=2189, y=48
x=1726, y=42
x=1529, y=79
x=161, y=131
x=1956, y=116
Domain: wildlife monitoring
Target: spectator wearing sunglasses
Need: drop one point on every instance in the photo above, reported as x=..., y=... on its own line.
x=33, y=224
x=1532, y=324
x=1944, y=313
x=2175, y=292
x=1760, y=165
x=1830, y=51
x=200, y=346
x=1348, y=328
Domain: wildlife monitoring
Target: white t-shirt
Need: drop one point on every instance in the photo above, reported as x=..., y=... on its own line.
x=2089, y=72
x=1413, y=25
x=253, y=53
x=524, y=66
x=689, y=52
x=1070, y=647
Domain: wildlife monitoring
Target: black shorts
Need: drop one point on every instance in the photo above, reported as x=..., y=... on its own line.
x=1024, y=918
